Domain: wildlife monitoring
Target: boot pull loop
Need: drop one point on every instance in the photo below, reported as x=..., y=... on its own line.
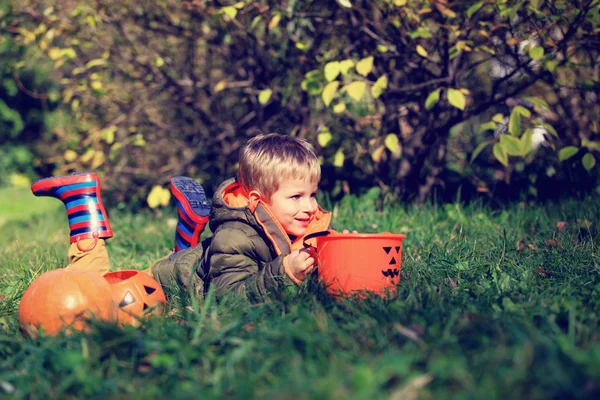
x=95, y=235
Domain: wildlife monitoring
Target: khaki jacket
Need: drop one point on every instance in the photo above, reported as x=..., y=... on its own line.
x=248, y=245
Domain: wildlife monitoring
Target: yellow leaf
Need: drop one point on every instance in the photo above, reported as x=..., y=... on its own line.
x=393, y=145
x=364, y=66
x=379, y=86
x=355, y=90
x=231, y=12
x=70, y=155
x=87, y=156
x=329, y=92
x=108, y=134
x=338, y=158
x=421, y=51
x=345, y=66
x=96, y=85
x=98, y=160
x=158, y=196
x=339, y=108
x=332, y=70
x=159, y=62
x=274, y=22
x=399, y=3
x=457, y=99
x=54, y=53
x=377, y=153
x=499, y=118
x=19, y=180
x=264, y=96
x=221, y=85
x=324, y=137
x=239, y=5
x=95, y=63
x=345, y=3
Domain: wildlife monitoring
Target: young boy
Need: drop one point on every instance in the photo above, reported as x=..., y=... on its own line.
x=258, y=222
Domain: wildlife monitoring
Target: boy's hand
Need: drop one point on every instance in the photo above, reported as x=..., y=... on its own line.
x=299, y=263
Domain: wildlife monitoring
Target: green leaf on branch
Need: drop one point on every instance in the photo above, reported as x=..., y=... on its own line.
x=229, y=11
x=393, y=145
x=355, y=90
x=345, y=3
x=526, y=142
x=432, y=99
x=331, y=70
x=329, y=92
x=456, y=98
x=522, y=111
x=364, y=66
x=345, y=66
x=488, y=126
x=379, y=86
x=536, y=52
x=537, y=102
x=479, y=149
x=474, y=8
x=339, y=108
x=500, y=154
x=588, y=161
x=324, y=137
x=264, y=96
x=511, y=145
x=567, y=152
x=338, y=158
x=514, y=124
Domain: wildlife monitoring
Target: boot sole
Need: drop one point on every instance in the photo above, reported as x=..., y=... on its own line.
x=192, y=197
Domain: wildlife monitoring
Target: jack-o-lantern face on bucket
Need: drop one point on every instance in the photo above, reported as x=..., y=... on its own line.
x=136, y=294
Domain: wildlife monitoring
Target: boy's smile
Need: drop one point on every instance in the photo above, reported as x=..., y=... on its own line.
x=294, y=204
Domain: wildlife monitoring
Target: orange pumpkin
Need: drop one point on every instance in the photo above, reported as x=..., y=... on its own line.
x=65, y=298
x=136, y=294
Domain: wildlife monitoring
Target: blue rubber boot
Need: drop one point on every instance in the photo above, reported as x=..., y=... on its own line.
x=80, y=194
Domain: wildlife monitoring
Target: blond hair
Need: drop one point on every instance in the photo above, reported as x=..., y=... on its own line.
x=269, y=159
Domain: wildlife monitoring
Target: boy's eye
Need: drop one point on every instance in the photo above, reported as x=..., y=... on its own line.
x=296, y=197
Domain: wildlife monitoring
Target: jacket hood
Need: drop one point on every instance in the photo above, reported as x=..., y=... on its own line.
x=231, y=203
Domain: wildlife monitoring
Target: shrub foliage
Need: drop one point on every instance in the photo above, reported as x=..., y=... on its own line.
x=410, y=96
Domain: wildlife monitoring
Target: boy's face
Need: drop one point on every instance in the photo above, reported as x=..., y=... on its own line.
x=294, y=205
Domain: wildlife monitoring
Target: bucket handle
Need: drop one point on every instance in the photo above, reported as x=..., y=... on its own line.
x=314, y=235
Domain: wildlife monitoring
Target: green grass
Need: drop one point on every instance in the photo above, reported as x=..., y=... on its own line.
x=20, y=203
x=475, y=318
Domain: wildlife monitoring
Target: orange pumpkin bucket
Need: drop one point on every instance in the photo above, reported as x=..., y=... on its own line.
x=357, y=262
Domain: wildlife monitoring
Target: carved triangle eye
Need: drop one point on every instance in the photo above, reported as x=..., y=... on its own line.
x=149, y=290
x=127, y=300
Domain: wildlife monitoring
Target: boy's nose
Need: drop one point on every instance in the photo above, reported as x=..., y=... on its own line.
x=310, y=206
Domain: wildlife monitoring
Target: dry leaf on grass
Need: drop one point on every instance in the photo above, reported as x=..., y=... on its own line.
x=411, y=390
x=560, y=225
x=452, y=283
x=520, y=245
x=410, y=334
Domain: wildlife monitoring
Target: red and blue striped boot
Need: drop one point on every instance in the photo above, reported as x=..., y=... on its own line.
x=192, y=209
x=80, y=193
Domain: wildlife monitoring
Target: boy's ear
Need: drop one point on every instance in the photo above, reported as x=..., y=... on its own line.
x=254, y=196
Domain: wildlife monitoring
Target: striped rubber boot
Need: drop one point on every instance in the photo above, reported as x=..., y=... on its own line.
x=80, y=193
x=192, y=210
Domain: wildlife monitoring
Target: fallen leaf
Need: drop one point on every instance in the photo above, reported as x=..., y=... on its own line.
x=544, y=272
x=409, y=334
x=410, y=391
x=452, y=283
x=2, y=298
x=531, y=247
x=520, y=245
x=551, y=243
x=560, y=225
